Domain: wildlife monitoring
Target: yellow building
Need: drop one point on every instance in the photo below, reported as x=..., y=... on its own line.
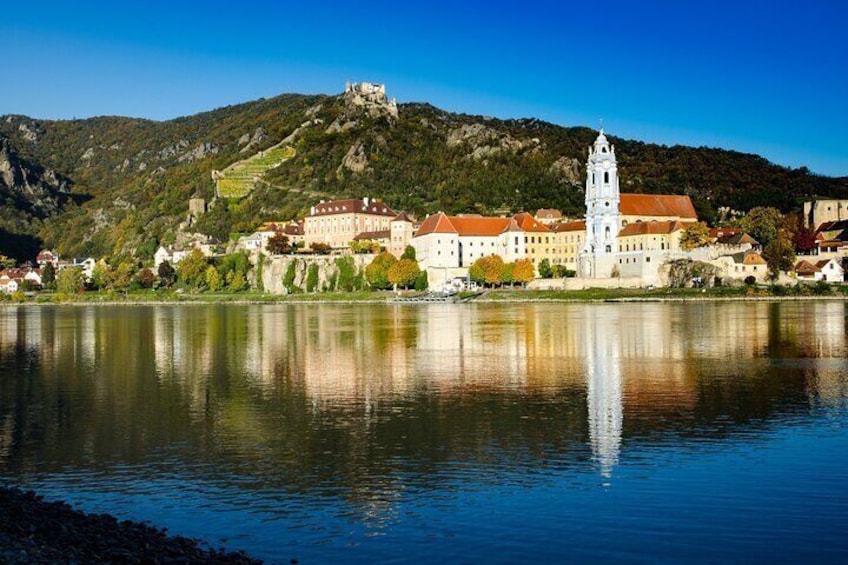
x=650, y=236
x=569, y=238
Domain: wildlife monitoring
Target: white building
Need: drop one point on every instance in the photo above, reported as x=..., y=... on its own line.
x=627, y=235
x=603, y=220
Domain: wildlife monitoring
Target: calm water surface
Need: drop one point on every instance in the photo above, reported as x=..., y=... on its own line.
x=458, y=433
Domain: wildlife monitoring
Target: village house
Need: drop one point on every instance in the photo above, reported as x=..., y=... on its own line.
x=455, y=242
x=84, y=264
x=570, y=238
x=174, y=255
x=46, y=256
x=828, y=270
x=338, y=222
x=402, y=228
x=740, y=266
x=643, y=246
x=19, y=278
x=7, y=285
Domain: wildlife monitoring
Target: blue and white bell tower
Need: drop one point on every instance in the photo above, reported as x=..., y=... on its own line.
x=598, y=257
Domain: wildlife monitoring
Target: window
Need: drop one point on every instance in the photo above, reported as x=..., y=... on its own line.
x=606, y=177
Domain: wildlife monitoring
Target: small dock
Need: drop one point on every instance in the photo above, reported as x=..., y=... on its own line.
x=428, y=298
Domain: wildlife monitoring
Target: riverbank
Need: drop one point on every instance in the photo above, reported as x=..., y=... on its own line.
x=34, y=531
x=798, y=292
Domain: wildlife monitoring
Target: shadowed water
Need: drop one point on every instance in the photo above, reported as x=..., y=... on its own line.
x=462, y=433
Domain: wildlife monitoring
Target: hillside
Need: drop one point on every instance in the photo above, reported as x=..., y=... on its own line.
x=109, y=185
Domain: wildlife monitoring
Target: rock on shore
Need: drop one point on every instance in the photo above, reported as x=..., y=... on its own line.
x=33, y=531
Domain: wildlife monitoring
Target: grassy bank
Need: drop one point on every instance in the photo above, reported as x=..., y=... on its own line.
x=496, y=295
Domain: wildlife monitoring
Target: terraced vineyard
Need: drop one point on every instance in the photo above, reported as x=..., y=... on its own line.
x=237, y=180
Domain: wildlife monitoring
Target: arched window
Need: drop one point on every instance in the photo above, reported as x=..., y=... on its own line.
x=606, y=177
x=609, y=249
x=607, y=232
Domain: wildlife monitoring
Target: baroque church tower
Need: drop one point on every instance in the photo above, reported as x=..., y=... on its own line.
x=598, y=258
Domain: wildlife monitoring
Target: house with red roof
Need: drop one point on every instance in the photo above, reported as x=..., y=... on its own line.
x=337, y=222
x=455, y=242
x=828, y=270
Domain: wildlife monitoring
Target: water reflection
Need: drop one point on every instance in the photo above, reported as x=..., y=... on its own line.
x=348, y=397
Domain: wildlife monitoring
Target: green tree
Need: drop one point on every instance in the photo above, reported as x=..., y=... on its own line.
x=779, y=255
x=404, y=273
x=213, y=278
x=312, y=277
x=289, y=276
x=421, y=282
x=48, y=276
x=696, y=234
x=545, y=270
x=409, y=253
x=347, y=274
x=506, y=274
x=476, y=272
x=236, y=281
x=279, y=244
x=191, y=270
x=69, y=280
x=763, y=224
x=523, y=272
x=99, y=275
x=121, y=276
x=167, y=274
x=377, y=273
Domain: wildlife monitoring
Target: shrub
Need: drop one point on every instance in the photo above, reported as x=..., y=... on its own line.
x=312, y=278
x=421, y=282
x=821, y=288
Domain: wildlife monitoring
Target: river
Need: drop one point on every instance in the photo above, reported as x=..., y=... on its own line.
x=643, y=432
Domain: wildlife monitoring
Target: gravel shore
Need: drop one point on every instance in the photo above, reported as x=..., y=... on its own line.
x=33, y=531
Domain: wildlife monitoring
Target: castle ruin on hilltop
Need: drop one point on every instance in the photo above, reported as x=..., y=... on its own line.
x=370, y=96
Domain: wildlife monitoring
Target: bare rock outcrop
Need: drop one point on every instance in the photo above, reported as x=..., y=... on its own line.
x=484, y=142
x=250, y=142
x=567, y=169
x=42, y=190
x=355, y=160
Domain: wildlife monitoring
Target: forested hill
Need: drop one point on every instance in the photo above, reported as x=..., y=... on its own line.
x=110, y=185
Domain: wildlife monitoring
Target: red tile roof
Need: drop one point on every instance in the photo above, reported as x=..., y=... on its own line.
x=579, y=225
x=652, y=227
x=752, y=258
x=548, y=214
x=804, y=267
x=403, y=217
x=373, y=235
x=437, y=223
x=722, y=232
x=363, y=206
x=485, y=227
x=528, y=223
x=658, y=205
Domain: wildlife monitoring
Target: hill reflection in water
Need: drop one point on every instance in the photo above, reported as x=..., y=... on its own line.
x=354, y=409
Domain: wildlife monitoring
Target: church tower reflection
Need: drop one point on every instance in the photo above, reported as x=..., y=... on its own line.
x=604, y=384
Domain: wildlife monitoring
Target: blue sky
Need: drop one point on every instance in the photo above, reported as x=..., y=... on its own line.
x=760, y=77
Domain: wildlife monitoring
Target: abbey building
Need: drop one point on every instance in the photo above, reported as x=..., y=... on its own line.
x=627, y=235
